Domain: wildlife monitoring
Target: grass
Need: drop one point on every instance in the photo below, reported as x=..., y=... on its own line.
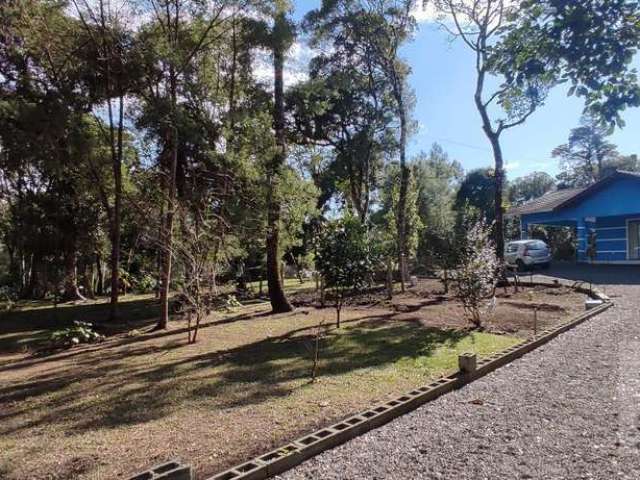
x=110, y=409
x=28, y=322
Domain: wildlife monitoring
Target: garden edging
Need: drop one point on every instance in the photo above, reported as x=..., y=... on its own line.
x=288, y=456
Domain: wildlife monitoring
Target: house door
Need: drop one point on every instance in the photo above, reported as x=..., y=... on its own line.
x=633, y=242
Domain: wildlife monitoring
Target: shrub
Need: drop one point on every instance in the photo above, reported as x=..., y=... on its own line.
x=231, y=303
x=344, y=258
x=477, y=271
x=79, y=332
x=146, y=284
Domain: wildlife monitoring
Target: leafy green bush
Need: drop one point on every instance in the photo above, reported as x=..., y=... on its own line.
x=145, y=284
x=79, y=332
x=344, y=258
x=231, y=303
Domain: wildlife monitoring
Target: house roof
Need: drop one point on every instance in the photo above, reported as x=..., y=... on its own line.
x=559, y=199
x=546, y=203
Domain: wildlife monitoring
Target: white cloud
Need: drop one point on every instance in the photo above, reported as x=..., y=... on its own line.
x=296, y=68
x=424, y=13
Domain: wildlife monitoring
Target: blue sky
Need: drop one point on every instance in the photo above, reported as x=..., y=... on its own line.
x=443, y=80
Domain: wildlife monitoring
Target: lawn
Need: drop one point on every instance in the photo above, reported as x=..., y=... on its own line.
x=113, y=408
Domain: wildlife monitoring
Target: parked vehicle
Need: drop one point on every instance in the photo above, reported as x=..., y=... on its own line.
x=527, y=254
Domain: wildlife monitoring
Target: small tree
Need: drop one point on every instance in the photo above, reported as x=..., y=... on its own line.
x=477, y=272
x=344, y=259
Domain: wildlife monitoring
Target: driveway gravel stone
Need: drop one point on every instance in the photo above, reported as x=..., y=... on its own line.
x=568, y=410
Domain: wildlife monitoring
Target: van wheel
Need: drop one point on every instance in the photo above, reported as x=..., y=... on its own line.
x=521, y=266
x=545, y=266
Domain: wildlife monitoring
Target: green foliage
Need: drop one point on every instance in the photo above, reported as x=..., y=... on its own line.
x=386, y=219
x=78, y=333
x=589, y=45
x=145, y=284
x=477, y=190
x=437, y=180
x=531, y=186
x=344, y=257
x=584, y=157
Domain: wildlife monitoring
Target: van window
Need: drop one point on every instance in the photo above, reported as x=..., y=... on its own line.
x=537, y=245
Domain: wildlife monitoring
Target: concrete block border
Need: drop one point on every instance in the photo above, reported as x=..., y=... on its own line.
x=284, y=458
x=171, y=470
x=292, y=454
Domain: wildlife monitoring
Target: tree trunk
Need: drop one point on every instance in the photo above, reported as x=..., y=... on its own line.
x=71, y=291
x=117, y=210
x=404, y=186
x=494, y=138
x=87, y=280
x=167, y=247
x=279, y=302
x=499, y=207
x=100, y=275
x=30, y=289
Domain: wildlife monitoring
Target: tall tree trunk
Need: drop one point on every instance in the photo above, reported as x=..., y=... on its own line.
x=404, y=186
x=117, y=207
x=167, y=257
x=30, y=288
x=279, y=302
x=71, y=291
x=499, y=207
x=100, y=275
x=494, y=139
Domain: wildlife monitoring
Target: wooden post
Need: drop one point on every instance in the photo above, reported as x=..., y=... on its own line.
x=535, y=322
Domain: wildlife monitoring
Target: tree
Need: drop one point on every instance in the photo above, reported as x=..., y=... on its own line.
x=583, y=158
x=533, y=185
x=278, y=38
x=627, y=163
x=174, y=47
x=376, y=31
x=481, y=25
x=437, y=181
x=475, y=277
x=344, y=259
x=589, y=45
x=44, y=100
x=477, y=190
x=385, y=219
x=342, y=110
x=112, y=54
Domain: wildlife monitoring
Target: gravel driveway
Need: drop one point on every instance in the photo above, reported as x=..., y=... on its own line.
x=569, y=410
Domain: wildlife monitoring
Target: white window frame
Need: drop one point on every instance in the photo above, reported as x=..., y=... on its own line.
x=628, y=221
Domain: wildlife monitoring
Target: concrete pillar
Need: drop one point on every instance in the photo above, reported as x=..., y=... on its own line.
x=524, y=230
x=581, y=235
x=467, y=362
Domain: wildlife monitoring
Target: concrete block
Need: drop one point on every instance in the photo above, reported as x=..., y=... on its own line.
x=467, y=362
x=592, y=303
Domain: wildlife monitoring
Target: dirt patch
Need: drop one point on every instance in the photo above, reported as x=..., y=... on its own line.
x=512, y=313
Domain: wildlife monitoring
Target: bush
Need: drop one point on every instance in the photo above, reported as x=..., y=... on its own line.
x=79, y=332
x=145, y=284
x=344, y=259
x=477, y=272
x=8, y=298
x=231, y=303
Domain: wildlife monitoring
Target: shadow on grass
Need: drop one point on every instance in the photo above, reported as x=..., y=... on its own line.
x=51, y=316
x=271, y=368
x=247, y=375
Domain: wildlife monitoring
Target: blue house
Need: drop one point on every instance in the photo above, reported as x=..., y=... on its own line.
x=605, y=216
